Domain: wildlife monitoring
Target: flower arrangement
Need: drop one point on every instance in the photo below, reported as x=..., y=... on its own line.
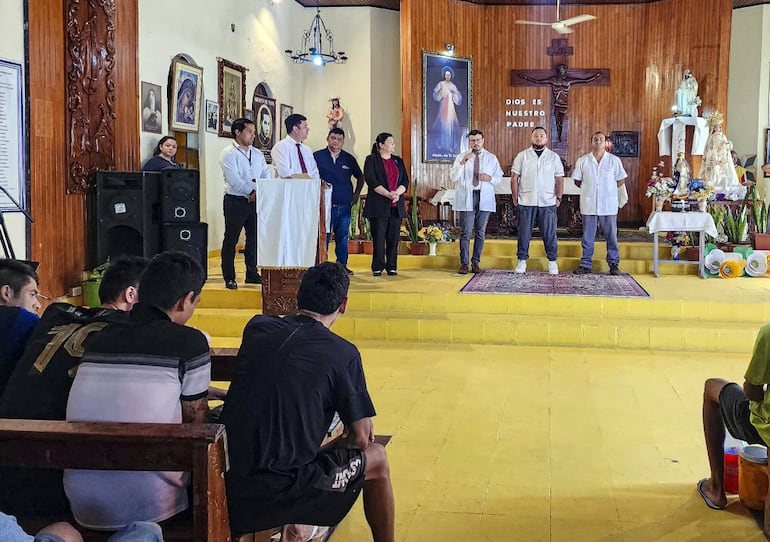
x=679, y=239
x=699, y=189
x=659, y=186
x=435, y=233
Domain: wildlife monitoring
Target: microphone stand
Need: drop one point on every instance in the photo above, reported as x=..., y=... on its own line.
x=5, y=239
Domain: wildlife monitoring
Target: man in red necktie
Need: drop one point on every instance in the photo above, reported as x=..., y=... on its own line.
x=290, y=155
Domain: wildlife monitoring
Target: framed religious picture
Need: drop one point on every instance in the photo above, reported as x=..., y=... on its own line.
x=186, y=86
x=286, y=110
x=767, y=150
x=447, y=106
x=232, y=94
x=264, y=118
x=212, y=116
x=152, y=108
x=625, y=144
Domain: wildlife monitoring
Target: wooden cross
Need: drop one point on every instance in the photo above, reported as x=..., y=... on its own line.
x=560, y=79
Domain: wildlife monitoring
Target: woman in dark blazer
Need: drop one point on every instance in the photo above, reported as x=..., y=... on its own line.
x=387, y=182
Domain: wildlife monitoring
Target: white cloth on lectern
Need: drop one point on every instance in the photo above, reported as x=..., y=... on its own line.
x=328, y=208
x=287, y=222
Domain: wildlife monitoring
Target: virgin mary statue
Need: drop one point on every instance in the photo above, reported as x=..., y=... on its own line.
x=717, y=168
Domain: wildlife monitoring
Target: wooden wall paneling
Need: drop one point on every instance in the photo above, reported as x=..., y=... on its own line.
x=692, y=34
x=57, y=234
x=635, y=42
x=126, y=130
x=59, y=231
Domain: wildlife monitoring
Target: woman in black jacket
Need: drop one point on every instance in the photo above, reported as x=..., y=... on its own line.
x=387, y=182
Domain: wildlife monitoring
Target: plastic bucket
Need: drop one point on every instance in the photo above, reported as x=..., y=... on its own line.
x=752, y=476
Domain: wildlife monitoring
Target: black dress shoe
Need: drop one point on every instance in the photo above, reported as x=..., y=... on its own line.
x=376, y=273
x=581, y=271
x=253, y=279
x=231, y=285
x=349, y=271
x=392, y=272
x=614, y=269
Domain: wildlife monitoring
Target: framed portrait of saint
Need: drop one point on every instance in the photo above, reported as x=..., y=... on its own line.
x=264, y=118
x=187, y=83
x=212, y=116
x=286, y=110
x=152, y=108
x=447, y=106
x=232, y=94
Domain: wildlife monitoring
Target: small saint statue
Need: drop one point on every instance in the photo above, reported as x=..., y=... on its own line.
x=687, y=99
x=335, y=114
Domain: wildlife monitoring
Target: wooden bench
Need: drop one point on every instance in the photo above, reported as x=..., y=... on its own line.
x=199, y=449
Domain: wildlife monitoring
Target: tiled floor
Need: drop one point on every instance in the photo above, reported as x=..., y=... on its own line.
x=526, y=443
x=499, y=442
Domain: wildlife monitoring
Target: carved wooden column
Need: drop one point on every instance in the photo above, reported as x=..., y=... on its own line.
x=90, y=89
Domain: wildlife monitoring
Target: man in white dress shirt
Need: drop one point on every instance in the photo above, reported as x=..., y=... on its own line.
x=537, y=185
x=290, y=155
x=599, y=174
x=241, y=165
x=476, y=174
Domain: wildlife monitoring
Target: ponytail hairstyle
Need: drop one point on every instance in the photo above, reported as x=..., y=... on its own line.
x=379, y=140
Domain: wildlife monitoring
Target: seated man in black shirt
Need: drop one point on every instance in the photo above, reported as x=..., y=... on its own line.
x=40, y=384
x=291, y=375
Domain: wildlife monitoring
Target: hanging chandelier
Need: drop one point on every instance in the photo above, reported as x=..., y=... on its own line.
x=313, y=44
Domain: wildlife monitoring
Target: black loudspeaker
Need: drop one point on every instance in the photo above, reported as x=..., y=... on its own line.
x=180, y=196
x=190, y=238
x=127, y=214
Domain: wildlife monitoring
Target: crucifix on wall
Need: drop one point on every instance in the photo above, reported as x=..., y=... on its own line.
x=560, y=79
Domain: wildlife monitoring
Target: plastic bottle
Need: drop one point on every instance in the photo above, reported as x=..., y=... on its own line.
x=732, y=448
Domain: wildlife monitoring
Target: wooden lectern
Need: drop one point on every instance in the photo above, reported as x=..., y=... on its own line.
x=291, y=236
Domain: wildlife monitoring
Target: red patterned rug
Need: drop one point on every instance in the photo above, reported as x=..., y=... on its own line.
x=495, y=281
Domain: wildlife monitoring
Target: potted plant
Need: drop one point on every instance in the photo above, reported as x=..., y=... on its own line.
x=416, y=247
x=354, y=245
x=659, y=187
x=92, y=280
x=760, y=239
x=736, y=227
x=366, y=236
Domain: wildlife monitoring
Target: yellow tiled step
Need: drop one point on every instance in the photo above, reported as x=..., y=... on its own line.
x=500, y=328
x=507, y=247
x=234, y=308
x=362, y=263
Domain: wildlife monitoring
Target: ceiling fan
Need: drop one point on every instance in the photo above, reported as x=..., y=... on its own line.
x=562, y=27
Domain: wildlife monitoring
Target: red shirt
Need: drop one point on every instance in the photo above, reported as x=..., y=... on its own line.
x=391, y=170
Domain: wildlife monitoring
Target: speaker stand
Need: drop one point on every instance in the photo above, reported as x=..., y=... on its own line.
x=5, y=239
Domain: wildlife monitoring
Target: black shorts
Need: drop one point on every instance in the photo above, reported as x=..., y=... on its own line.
x=734, y=407
x=323, y=494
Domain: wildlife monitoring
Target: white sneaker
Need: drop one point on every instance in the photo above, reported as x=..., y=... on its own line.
x=553, y=269
x=521, y=267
